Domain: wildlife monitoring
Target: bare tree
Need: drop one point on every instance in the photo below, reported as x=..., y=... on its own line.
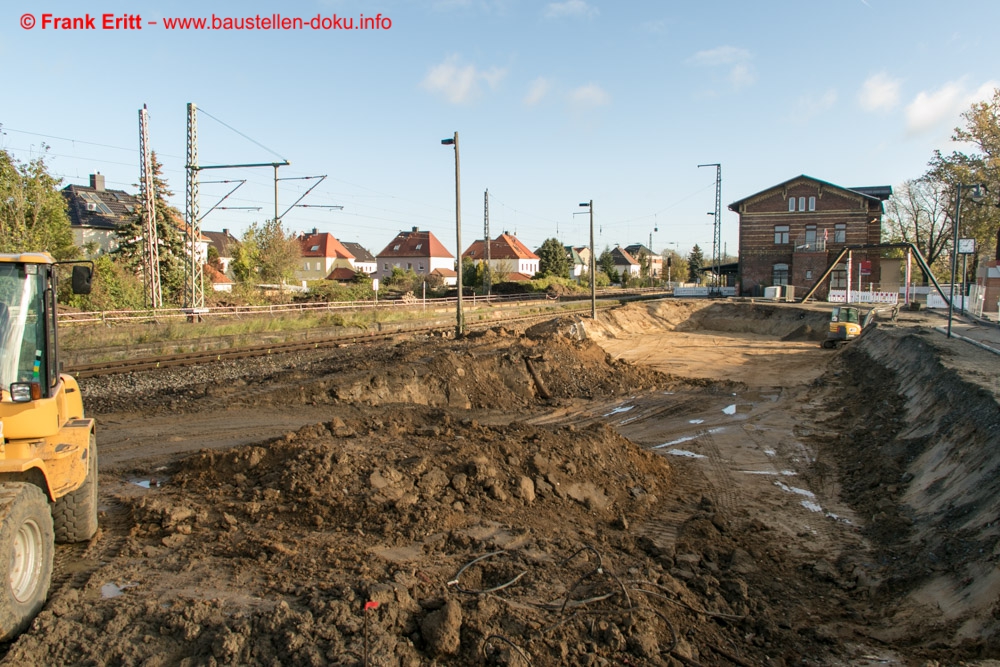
x=918, y=213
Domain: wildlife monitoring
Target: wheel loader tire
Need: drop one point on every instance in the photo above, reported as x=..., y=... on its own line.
x=26, y=549
x=75, y=514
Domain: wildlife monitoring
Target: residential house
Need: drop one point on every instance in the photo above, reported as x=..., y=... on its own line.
x=577, y=264
x=625, y=264
x=416, y=251
x=510, y=260
x=219, y=281
x=321, y=253
x=639, y=252
x=95, y=214
x=363, y=260
x=224, y=244
x=790, y=232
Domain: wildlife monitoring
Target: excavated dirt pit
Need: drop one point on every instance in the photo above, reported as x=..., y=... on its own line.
x=680, y=483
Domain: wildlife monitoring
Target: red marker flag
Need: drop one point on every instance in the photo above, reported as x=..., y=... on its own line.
x=371, y=604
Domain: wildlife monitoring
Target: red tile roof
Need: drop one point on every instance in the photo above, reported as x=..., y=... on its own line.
x=504, y=246
x=342, y=274
x=323, y=245
x=215, y=276
x=415, y=243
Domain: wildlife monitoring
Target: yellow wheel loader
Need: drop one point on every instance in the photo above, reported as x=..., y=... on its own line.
x=48, y=455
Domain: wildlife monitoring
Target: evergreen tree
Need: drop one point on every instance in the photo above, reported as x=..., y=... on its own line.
x=696, y=260
x=552, y=259
x=606, y=263
x=32, y=210
x=171, y=247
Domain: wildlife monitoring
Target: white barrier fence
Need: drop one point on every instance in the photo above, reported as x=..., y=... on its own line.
x=840, y=296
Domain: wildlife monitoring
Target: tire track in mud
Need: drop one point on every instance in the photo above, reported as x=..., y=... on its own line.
x=75, y=564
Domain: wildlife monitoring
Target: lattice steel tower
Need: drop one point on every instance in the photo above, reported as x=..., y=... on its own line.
x=194, y=284
x=150, y=239
x=717, y=230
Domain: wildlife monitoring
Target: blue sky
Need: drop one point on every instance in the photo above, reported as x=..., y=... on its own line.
x=555, y=103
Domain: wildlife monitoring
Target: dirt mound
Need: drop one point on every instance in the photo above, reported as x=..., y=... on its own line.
x=918, y=448
x=269, y=554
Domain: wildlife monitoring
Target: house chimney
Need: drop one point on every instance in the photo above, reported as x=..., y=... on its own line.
x=225, y=232
x=97, y=181
x=315, y=231
x=416, y=229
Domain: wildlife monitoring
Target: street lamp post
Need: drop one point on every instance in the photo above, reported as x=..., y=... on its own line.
x=977, y=196
x=460, y=324
x=593, y=263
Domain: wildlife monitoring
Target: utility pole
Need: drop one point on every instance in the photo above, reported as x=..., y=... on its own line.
x=488, y=274
x=194, y=285
x=147, y=193
x=593, y=262
x=460, y=317
x=717, y=228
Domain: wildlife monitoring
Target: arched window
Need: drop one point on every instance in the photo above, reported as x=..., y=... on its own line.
x=779, y=274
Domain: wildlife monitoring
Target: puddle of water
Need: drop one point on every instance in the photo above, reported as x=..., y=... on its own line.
x=729, y=410
x=685, y=453
x=616, y=411
x=627, y=421
x=788, y=473
x=811, y=506
x=770, y=452
x=678, y=441
x=792, y=489
x=758, y=472
x=112, y=590
x=696, y=421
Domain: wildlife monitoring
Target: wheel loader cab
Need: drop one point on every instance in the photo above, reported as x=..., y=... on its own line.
x=48, y=454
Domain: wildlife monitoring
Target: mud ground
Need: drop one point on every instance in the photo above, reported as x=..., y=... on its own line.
x=679, y=483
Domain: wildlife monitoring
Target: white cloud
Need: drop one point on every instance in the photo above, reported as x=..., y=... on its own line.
x=930, y=109
x=590, y=95
x=721, y=55
x=540, y=87
x=741, y=70
x=813, y=105
x=574, y=8
x=879, y=93
x=460, y=84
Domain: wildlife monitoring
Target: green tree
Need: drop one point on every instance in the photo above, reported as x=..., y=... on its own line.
x=552, y=259
x=32, y=210
x=982, y=131
x=114, y=287
x=606, y=263
x=171, y=249
x=675, y=267
x=696, y=260
x=266, y=254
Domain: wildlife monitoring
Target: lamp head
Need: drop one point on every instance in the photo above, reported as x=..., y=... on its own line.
x=448, y=142
x=978, y=192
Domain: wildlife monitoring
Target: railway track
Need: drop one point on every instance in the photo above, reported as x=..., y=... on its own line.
x=121, y=366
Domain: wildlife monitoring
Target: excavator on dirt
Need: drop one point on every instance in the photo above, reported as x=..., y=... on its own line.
x=848, y=322
x=48, y=452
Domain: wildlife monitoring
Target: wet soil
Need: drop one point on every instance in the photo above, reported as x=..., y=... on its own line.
x=679, y=483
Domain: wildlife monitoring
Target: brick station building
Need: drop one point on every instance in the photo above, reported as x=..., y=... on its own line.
x=790, y=232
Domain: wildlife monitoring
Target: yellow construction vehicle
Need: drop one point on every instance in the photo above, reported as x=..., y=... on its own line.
x=48, y=452
x=847, y=322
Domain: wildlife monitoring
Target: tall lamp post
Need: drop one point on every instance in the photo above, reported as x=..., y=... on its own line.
x=978, y=194
x=460, y=324
x=593, y=263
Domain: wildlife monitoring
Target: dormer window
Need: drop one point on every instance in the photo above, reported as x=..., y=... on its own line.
x=419, y=246
x=315, y=248
x=396, y=247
